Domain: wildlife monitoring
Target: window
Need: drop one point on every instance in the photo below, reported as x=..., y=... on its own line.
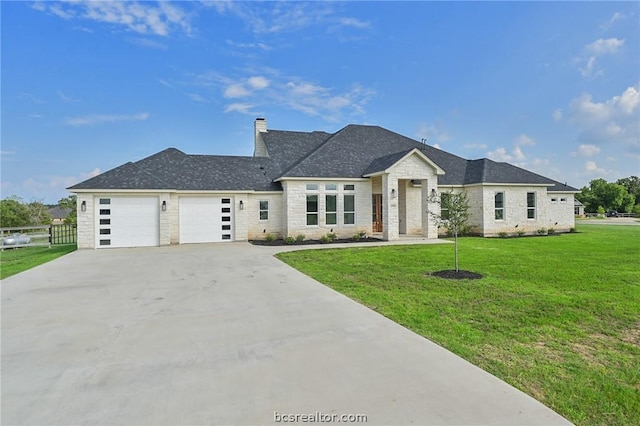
x=226, y=227
x=331, y=203
x=105, y=231
x=499, y=205
x=331, y=187
x=312, y=187
x=349, y=209
x=445, y=201
x=264, y=210
x=226, y=201
x=105, y=221
x=563, y=200
x=226, y=210
x=349, y=187
x=554, y=199
x=531, y=205
x=105, y=211
x=105, y=200
x=312, y=210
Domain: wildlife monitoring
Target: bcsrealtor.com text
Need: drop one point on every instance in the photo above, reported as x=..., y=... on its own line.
x=318, y=417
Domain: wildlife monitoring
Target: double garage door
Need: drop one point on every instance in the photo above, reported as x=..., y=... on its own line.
x=135, y=221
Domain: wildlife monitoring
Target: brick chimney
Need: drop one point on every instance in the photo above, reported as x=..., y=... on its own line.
x=259, y=127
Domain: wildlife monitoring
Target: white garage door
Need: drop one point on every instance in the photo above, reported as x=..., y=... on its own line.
x=127, y=222
x=206, y=219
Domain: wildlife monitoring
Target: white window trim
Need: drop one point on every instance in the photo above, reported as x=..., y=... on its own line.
x=260, y=210
x=354, y=211
x=503, y=208
x=535, y=205
x=307, y=212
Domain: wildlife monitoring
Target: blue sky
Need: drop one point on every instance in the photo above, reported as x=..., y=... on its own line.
x=87, y=86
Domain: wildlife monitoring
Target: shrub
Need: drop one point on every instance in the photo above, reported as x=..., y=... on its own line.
x=356, y=236
x=289, y=240
x=572, y=230
x=300, y=238
x=551, y=231
x=521, y=233
x=328, y=238
x=542, y=231
x=269, y=238
x=502, y=234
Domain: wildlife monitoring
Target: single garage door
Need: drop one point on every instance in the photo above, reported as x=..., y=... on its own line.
x=206, y=219
x=127, y=222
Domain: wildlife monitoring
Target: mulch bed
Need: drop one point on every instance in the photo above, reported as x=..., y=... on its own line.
x=452, y=274
x=313, y=242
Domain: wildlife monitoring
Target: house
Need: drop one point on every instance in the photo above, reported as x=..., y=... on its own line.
x=578, y=208
x=58, y=214
x=361, y=178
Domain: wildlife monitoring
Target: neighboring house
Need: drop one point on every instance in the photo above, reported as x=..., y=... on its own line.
x=361, y=178
x=578, y=208
x=58, y=214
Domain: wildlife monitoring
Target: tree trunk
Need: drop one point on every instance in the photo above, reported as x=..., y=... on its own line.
x=455, y=243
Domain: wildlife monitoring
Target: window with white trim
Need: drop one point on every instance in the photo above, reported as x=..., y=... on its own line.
x=531, y=205
x=349, y=187
x=312, y=210
x=554, y=199
x=349, y=209
x=563, y=200
x=498, y=206
x=312, y=187
x=331, y=187
x=331, y=209
x=264, y=210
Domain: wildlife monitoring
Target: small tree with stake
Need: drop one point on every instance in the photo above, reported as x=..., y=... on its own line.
x=454, y=215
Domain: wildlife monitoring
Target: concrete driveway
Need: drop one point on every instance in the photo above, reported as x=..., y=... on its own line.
x=220, y=334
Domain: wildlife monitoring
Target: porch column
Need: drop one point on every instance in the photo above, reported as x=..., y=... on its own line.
x=390, y=219
x=429, y=228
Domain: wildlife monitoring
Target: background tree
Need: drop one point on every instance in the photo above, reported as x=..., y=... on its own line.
x=13, y=212
x=70, y=202
x=610, y=196
x=632, y=184
x=454, y=215
x=38, y=214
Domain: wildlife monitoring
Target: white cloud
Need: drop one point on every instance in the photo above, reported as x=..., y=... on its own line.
x=591, y=168
x=142, y=18
x=588, y=150
x=283, y=17
x=89, y=120
x=612, y=121
x=258, y=82
x=595, y=50
x=242, y=108
x=604, y=46
x=49, y=188
x=524, y=140
x=617, y=16
x=516, y=156
x=291, y=92
x=557, y=115
x=236, y=91
x=261, y=46
x=197, y=98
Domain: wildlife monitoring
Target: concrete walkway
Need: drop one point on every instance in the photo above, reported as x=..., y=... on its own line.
x=223, y=334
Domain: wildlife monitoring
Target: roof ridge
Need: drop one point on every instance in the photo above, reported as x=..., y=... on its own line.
x=310, y=153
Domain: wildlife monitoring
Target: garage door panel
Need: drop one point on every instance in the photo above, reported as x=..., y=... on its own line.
x=205, y=219
x=128, y=222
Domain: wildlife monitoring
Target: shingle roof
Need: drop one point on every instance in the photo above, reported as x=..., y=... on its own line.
x=172, y=169
x=352, y=152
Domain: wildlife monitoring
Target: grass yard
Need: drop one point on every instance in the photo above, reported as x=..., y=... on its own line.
x=557, y=316
x=13, y=261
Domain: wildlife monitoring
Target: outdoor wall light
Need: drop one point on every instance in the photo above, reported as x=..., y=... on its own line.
x=433, y=191
x=83, y=206
x=393, y=193
x=164, y=205
x=241, y=205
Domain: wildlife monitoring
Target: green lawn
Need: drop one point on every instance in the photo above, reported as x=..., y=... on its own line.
x=13, y=261
x=557, y=316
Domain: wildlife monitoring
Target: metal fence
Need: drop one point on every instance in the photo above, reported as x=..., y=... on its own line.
x=38, y=236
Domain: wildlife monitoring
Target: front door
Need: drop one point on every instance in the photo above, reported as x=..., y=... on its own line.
x=377, y=212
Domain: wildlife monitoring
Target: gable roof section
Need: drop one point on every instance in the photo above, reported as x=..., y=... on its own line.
x=287, y=148
x=172, y=169
x=381, y=165
x=357, y=149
